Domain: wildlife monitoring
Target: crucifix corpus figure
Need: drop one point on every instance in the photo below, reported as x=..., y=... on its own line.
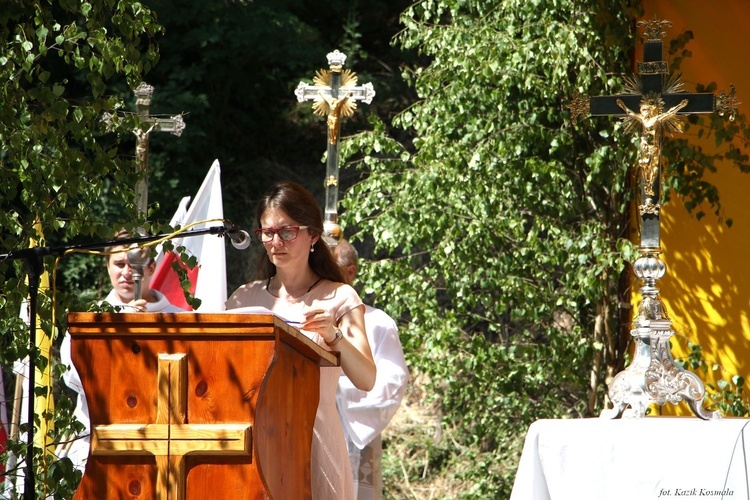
x=653, y=120
x=651, y=106
x=335, y=108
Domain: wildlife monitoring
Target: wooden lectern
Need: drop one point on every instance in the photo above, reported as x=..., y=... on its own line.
x=196, y=406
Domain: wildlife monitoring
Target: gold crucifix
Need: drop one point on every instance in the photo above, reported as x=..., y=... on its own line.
x=654, y=120
x=651, y=105
x=335, y=94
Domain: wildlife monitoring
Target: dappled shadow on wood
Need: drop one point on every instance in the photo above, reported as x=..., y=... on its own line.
x=205, y=405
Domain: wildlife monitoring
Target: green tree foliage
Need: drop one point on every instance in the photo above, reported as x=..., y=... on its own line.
x=501, y=230
x=57, y=164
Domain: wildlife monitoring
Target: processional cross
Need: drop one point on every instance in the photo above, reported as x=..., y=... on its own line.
x=655, y=106
x=174, y=125
x=334, y=94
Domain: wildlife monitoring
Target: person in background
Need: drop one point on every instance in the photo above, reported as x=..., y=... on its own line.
x=298, y=279
x=364, y=415
x=122, y=297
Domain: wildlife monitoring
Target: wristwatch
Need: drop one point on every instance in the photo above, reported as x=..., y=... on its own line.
x=337, y=338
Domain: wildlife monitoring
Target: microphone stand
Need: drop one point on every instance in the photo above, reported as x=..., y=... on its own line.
x=34, y=267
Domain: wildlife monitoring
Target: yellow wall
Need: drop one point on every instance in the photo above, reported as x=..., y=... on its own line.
x=707, y=285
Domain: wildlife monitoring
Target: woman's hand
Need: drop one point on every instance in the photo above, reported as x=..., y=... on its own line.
x=321, y=322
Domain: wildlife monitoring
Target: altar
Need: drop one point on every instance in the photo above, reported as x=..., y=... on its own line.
x=635, y=459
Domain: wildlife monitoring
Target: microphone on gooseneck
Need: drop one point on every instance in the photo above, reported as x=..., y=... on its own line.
x=137, y=259
x=240, y=238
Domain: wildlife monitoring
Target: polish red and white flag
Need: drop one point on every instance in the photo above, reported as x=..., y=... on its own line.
x=208, y=279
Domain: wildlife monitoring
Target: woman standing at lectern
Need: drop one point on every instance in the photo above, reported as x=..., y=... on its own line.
x=298, y=279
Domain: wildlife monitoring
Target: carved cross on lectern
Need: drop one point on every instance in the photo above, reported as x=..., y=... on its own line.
x=170, y=438
x=174, y=125
x=334, y=94
x=652, y=106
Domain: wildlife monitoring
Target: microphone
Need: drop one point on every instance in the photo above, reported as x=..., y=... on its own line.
x=240, y=238
x=138, y=258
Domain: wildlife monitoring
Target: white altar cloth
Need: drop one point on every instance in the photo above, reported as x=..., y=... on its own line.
x=665, y=458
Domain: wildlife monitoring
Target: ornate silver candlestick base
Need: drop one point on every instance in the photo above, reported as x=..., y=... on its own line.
x=653, y=376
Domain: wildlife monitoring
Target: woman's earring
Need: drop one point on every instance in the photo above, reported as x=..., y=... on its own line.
x=312, y=247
